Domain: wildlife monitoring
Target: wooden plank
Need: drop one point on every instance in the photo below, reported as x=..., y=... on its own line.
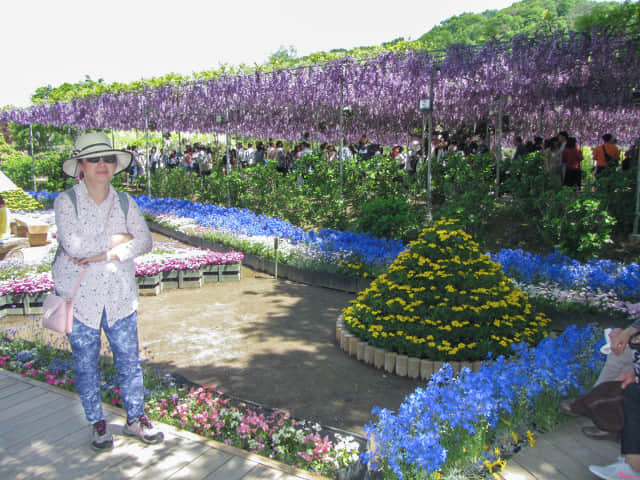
x=60, y=425
x=168, y=458
x=569, y=439
x=78, y=461
x=28, y=433
x=515, y=471
x=6, y=382
x=202, y=466
x=37, y=416
x=233, y=469
x=49, y=462
x=262, y=473
x=36, y=399
x=6, y=394
x=545, y=462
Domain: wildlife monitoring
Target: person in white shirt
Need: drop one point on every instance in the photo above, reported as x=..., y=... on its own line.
x=249, y=155
x=239, y=155
x=154, y=160
x=100, y=232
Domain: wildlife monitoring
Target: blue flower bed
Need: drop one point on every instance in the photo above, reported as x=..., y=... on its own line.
x=377, y=251
x=604, y=275
x=452, y=411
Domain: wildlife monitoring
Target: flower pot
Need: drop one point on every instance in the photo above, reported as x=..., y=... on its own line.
x=437, y=365
x=182, y=278
x=149, y=280
x=413, y=367
x=360, y=350
x=476, y=365
x=390, y=361
x=402, y=365
x=210, y=268
x=378, y=357
x=16, y=303
x=230, y=271
x=426, y=368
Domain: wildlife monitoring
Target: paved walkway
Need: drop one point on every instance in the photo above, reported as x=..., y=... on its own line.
x=44, y=435
x=563, y=454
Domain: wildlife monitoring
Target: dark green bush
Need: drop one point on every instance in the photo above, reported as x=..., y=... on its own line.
x=467, y=188
x=577, y=225
x=384, y=217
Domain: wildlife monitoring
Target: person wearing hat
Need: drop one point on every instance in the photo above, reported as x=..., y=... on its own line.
x=100, y=232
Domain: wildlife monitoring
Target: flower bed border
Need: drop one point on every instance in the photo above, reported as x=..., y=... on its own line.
x=333, y=281
x=391, y=362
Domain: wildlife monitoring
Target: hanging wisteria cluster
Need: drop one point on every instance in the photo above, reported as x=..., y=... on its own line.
x=583, y=83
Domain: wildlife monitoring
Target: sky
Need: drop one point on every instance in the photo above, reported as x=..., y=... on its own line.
x=52, y=42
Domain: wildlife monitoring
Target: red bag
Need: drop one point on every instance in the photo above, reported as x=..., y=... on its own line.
x=57, y=314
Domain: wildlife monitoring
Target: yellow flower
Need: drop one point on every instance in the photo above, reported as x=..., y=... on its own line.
x=531, y=438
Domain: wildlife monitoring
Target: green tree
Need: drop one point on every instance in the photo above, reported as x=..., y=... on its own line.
x=611, y=15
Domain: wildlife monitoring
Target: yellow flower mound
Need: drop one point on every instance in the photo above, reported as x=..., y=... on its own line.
x=20, y=200
x=444, y=300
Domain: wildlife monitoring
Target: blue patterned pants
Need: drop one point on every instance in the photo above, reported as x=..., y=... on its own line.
x=85, y=348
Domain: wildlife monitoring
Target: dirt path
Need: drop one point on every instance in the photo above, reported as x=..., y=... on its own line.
x=269, y=341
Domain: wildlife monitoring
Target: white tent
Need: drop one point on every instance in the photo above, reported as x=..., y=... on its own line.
x=6, y=184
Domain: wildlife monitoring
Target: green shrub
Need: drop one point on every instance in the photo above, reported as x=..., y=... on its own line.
x=578, y=226
x=384, y=217
x=467, y=186
x=528, y=183
x=616, y=191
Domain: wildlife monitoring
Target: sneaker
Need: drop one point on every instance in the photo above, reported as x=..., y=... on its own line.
x=594, y=432
x=619, y=470
x=102, y=440
x=143, y=430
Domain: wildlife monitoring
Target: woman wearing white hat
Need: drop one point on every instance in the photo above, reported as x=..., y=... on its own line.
x=100, y=232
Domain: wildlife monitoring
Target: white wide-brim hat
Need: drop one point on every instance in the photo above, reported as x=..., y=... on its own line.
x=91, y=145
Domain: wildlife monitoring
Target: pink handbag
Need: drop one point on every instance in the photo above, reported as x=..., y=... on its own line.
x=57, y=314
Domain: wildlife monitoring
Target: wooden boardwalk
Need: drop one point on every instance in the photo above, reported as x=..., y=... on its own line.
x=563, y=454
x=44, y=435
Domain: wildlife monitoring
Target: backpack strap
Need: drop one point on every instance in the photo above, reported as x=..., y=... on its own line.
x=74, y=199
x=124, y=203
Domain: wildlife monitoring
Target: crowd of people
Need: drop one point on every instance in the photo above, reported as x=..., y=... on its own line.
x=563, y=157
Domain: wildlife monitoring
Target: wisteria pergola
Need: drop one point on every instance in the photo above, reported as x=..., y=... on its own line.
x=586, y=84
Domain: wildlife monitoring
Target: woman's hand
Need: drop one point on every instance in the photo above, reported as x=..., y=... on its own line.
x=119, y=238
x=628, y=377
x=96, y=258
x=620, y=339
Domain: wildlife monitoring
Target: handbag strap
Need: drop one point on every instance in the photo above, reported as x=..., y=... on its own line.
x=84, y=270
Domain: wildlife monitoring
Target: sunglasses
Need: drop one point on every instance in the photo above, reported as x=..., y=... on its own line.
x=105, y=159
